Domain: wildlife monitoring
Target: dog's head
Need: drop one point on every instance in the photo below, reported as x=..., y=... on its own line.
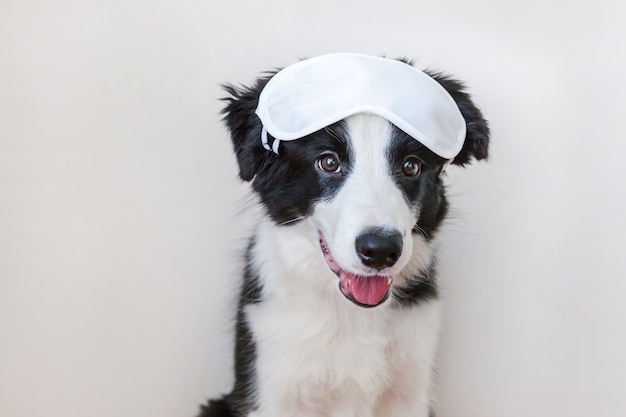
x=374, y=194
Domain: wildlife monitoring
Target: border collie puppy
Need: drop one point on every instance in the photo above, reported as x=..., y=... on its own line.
x=338, y=312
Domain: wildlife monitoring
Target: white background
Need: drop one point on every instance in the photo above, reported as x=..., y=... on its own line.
x=118, y=197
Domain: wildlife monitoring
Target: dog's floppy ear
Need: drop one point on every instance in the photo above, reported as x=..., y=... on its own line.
x=476, y=143
x=245, y=127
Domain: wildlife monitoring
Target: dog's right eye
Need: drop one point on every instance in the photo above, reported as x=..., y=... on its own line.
x=329, y=163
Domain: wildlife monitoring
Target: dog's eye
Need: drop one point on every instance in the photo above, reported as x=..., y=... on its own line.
x=411, y=166
x=329, y=163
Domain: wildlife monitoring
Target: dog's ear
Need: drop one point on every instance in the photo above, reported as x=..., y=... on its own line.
x=245, y=127
x=476, y=143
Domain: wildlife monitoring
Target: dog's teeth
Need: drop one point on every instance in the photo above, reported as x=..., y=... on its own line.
x=349, y=283
x=389, y=280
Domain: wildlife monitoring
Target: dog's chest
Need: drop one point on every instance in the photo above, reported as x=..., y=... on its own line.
x=310, y=356
x=320, y=344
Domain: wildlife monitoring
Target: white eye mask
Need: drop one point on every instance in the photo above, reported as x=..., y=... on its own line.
x=315, y=93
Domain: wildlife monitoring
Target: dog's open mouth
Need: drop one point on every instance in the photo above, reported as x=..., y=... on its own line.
x=364, y=291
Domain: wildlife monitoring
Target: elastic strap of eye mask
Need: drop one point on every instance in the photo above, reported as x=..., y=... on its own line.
x=265, y=142
x=264, y=139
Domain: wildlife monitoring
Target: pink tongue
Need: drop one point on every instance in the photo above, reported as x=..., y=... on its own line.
x=366, y=290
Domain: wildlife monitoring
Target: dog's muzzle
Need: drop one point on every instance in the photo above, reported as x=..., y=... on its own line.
x=365, y=290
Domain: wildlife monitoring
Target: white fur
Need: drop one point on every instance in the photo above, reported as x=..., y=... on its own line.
x=318, y=354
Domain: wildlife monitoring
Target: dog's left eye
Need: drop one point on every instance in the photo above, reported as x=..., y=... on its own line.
x=329, y=163
x=411, y=166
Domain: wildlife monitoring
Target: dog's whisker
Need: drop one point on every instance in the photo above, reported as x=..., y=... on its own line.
x=422, y=232
x=333, y=134
x=295, y=219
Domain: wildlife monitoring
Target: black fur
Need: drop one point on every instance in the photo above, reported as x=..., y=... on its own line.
x=289, y=183
x=476, y=145
x=216, y=408
x=421, y=288
x=425, y=191
x=240, y=401
x=245, y=127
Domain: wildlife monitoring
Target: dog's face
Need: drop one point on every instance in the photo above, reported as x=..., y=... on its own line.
x=374, y=194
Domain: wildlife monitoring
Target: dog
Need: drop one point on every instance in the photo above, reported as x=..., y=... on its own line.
x=338, y=312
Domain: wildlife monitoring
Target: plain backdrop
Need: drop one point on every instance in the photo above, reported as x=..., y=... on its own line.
x=119, y=197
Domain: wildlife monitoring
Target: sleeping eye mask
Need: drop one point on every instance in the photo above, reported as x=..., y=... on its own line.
x=315, y=93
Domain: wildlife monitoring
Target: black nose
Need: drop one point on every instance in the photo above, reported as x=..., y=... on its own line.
x=379, y=248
